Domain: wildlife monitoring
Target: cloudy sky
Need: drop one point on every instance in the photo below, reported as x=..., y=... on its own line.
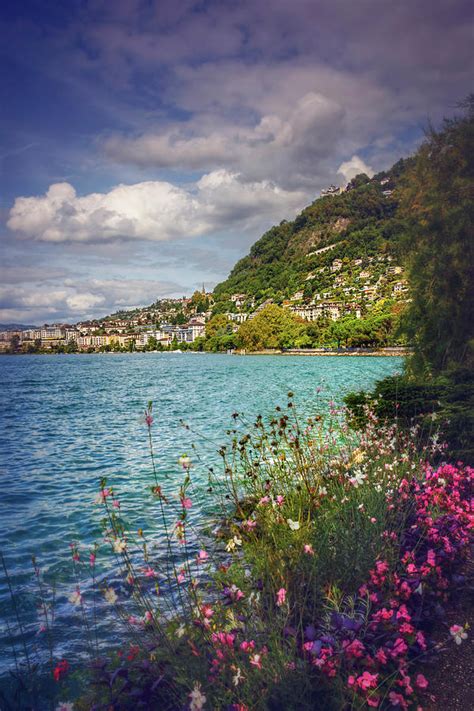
x=145, y=144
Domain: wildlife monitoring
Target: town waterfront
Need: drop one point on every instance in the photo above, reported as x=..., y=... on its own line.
x=68, y=421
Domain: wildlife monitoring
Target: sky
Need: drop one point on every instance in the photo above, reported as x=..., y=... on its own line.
x=146, y=144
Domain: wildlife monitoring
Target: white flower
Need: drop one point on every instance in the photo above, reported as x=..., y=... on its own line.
x=197, y=699
x=357, y=479
x=65, y=706
x=237, y=677
x=323, y=491
x=111, y=596
x=458, y=633
x=120, y=545
x=233, y=543
x=184, y=461
x=294, y=525
x=76, y=598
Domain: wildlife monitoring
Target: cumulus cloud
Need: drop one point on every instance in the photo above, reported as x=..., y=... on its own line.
x=287, y=145
x=152, y=210
x=350, y=168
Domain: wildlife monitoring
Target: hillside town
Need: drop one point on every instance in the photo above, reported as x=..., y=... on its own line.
x=337, y=289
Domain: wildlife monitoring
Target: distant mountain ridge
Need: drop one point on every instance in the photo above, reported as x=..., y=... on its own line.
x=16, y=326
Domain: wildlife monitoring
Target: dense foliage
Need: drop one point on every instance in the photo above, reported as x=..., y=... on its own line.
x=437, y=204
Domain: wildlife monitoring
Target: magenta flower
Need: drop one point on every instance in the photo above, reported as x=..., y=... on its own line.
x=186, y=503
x=421, y=681
x=201, y=557
x=308, y=549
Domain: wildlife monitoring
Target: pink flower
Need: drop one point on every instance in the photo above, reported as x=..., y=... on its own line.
x=281, y=597
x=458, y=633
x=421, y=681
x=92, y=558
x=264, y=500
x=280, y=500
x=308, y=549
x=367, y=681
x=397, y=700
x=186, y=503
x=149, y=572
x=148, y=419
x=354, y=649
x=249, y=525
x=201, y=557
x=247, y=646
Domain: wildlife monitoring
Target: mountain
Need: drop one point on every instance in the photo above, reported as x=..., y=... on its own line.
x=356, y=223
x=15, y=327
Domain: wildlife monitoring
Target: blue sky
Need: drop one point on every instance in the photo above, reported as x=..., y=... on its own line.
x=145, y=144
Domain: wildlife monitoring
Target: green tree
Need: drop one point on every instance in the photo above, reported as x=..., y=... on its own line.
x=437, y=202
x=273, y=327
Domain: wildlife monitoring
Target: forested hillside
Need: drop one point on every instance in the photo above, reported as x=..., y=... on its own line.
x=361, y=222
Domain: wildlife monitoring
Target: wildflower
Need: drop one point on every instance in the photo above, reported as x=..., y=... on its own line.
x=234, y=593
x=322, y=491
x=247, y=646
x=458, y=633
x=233, y=543
x=280, y=500
x=421, y=681
x=201, y=557
x=65, y=706
x=264, y=500
x=294, y=525
x=308, y=549
x=110, y=596
x=149, y=572
x=184, y=461
x=148, y=418
x=397, y=700
x=92, y=558
x=281, y=597
x=358, y=479
x=367, y=681
x=147, y=617
x=249, y=525
x=120, y=545
x=76, y=598
x=60, y=669
x=358, y=456
x=181, y=576
x=238, y=677
x=256, y=660
x=186, y=502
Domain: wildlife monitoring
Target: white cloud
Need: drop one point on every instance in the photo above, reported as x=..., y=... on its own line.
x=152, y=210
x=73, y=300
x=287, y=144
x=350, y=168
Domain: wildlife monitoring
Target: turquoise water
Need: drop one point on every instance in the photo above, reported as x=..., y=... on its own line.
x=67, y=421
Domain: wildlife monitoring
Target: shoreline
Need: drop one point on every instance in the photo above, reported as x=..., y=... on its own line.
x=315, y=352
x=388, y=352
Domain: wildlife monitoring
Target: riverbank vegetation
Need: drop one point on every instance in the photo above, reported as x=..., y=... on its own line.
x=332, y=558
x=437, y=206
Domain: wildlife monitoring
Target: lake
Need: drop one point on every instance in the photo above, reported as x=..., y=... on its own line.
x=67, y=421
